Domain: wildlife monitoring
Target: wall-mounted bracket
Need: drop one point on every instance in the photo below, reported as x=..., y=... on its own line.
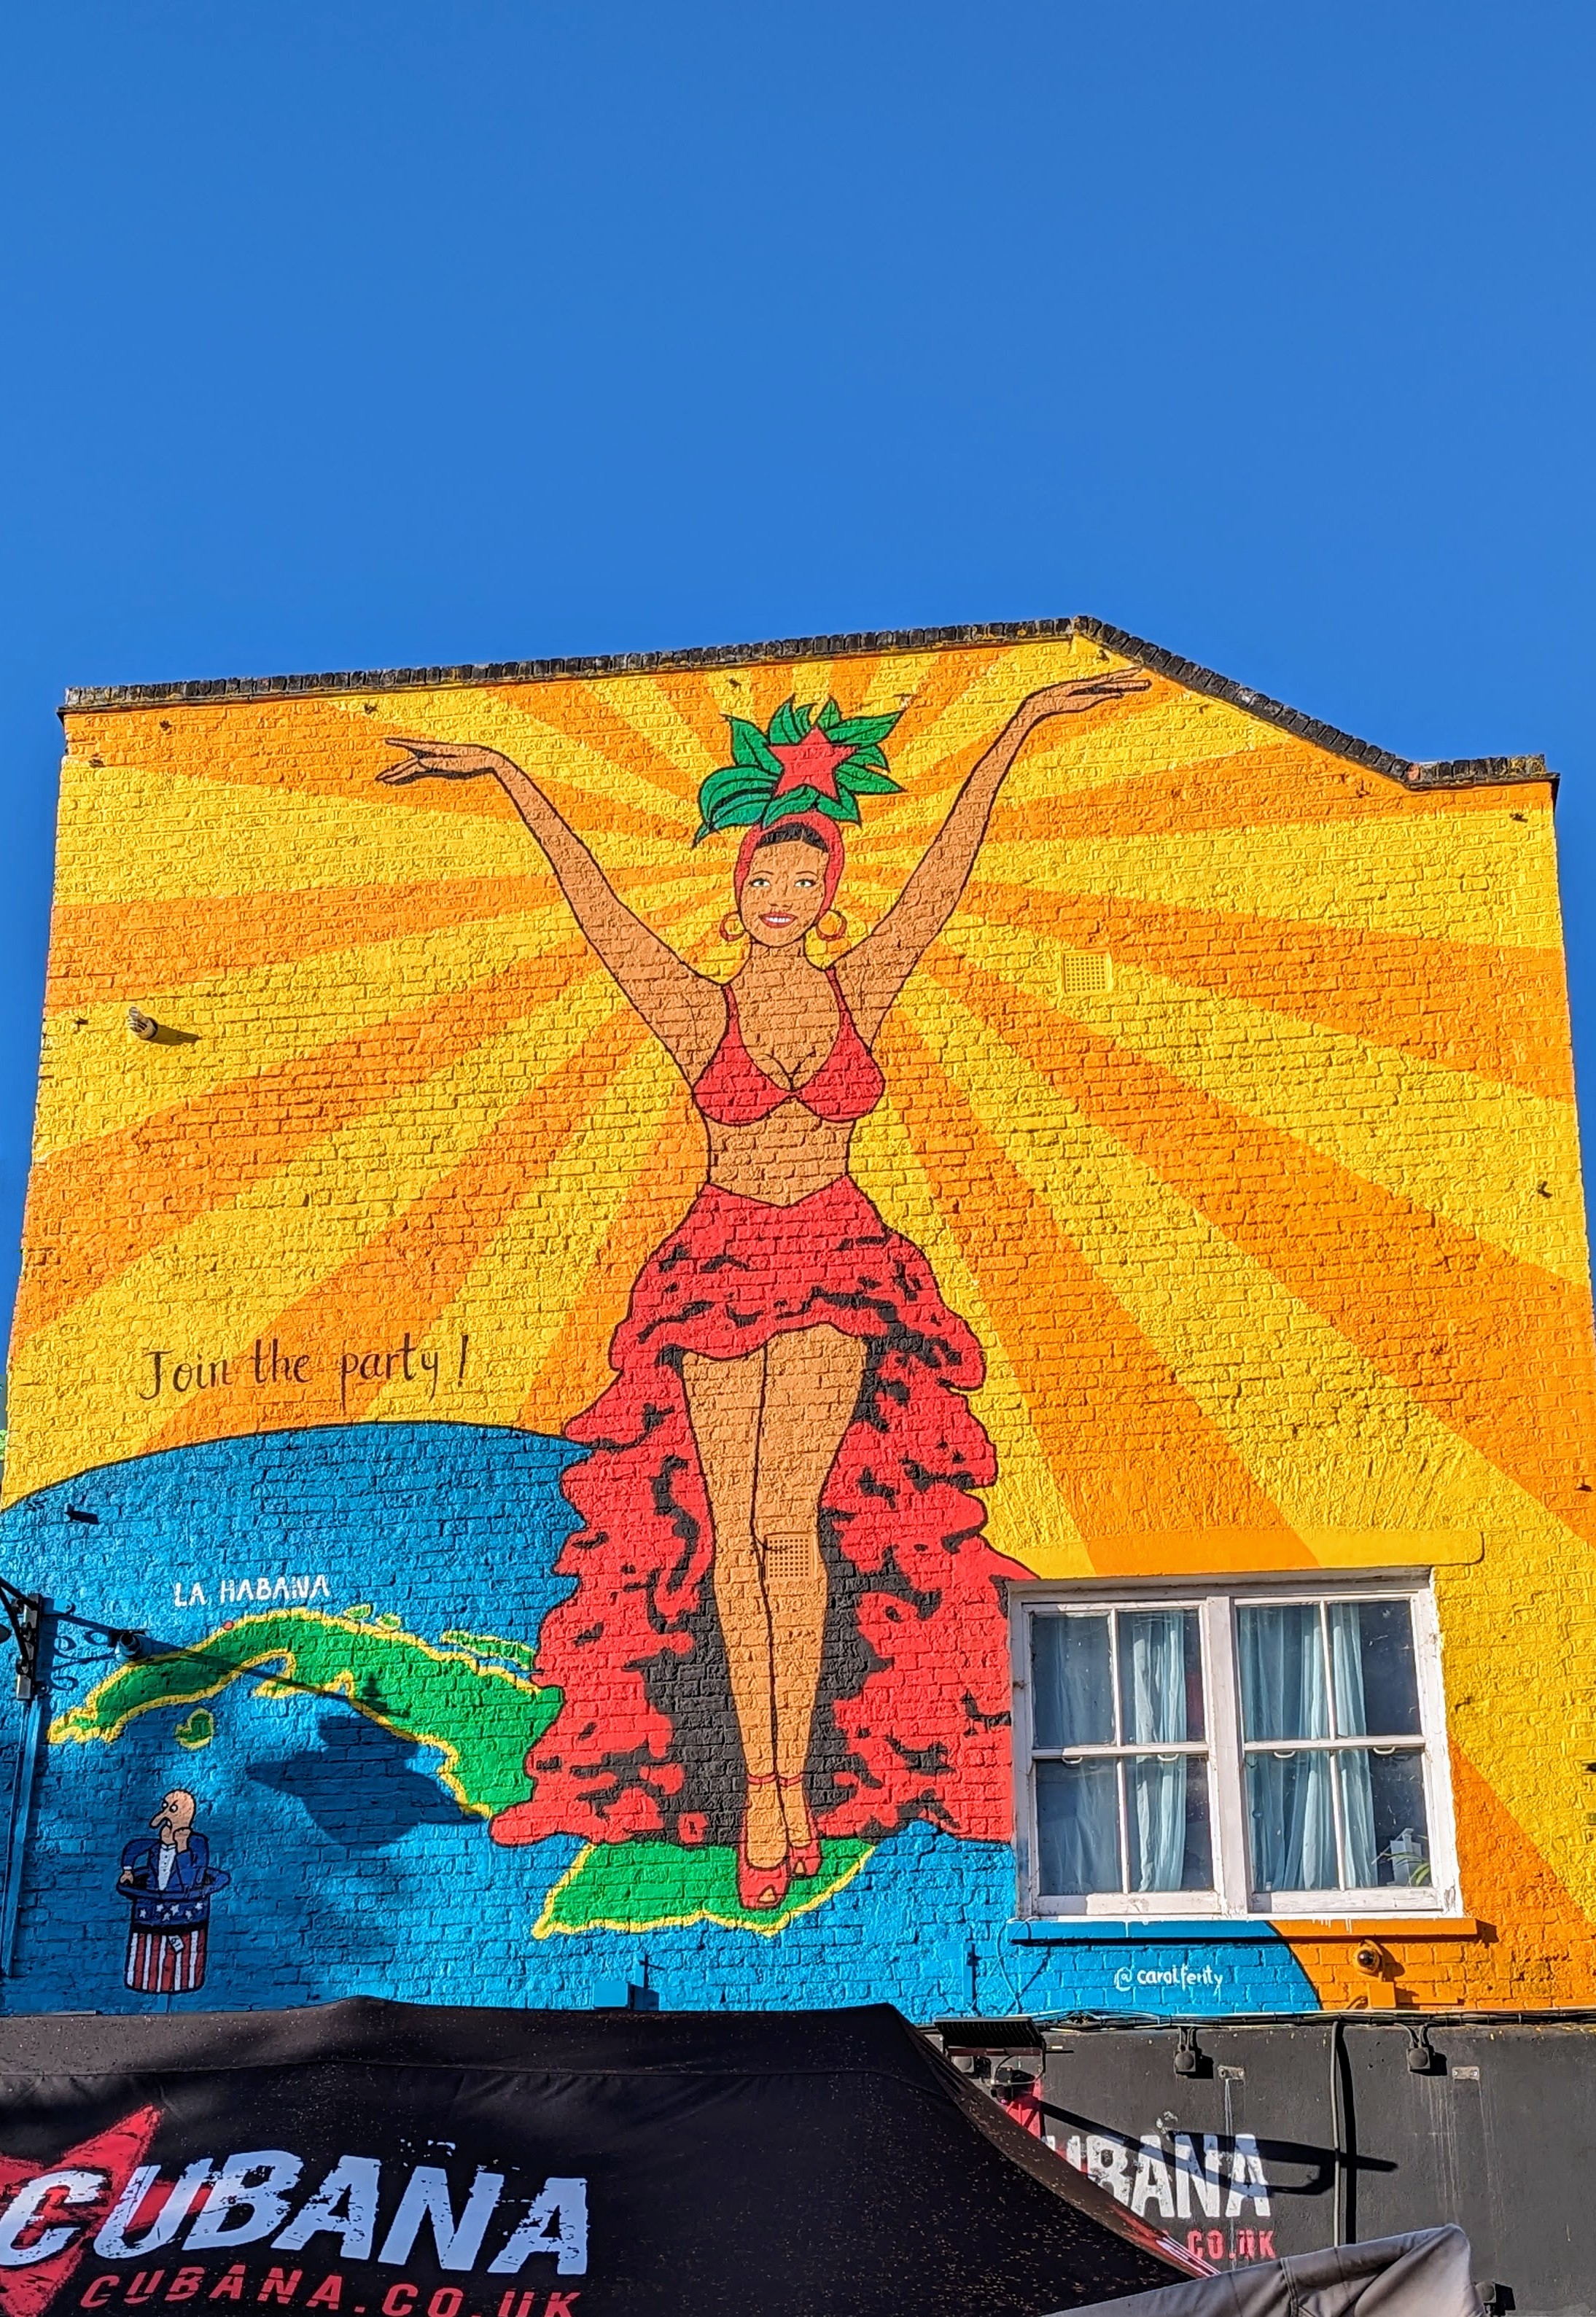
x=24, y=1612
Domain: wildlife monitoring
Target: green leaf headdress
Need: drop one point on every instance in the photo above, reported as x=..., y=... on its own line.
x=809, y=760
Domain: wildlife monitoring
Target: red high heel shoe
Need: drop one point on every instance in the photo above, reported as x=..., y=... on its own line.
x=760, y=1889
x=803, y=1859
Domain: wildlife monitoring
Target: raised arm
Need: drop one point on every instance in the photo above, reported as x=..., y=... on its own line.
x=684, y=1010
x=876, y=968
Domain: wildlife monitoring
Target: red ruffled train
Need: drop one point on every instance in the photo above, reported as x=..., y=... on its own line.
x=912, y=1716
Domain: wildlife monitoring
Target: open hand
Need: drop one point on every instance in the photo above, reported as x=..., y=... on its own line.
x=441, y=760
x=1084, y=691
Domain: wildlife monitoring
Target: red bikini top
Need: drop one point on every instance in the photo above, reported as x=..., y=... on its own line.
x=732, y=1090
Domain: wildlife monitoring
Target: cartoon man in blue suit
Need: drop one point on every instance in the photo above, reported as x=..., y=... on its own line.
x=170, y=1881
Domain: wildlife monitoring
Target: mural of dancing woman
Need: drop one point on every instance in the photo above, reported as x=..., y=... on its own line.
x=787, y=1624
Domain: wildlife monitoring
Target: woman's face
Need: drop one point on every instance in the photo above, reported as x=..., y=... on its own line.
x=784, y=892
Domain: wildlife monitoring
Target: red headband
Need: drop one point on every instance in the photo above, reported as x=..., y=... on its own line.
x=817, y=823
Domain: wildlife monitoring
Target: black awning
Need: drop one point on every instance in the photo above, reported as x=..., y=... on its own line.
x=376, y=2159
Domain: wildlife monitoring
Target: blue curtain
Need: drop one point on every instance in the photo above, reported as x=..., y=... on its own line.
x=1152, y=1705
x=1351, y=1721
x=1077, y=1828
x=1284, y=1694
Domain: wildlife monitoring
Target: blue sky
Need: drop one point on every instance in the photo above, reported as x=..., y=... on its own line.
x=359, y=334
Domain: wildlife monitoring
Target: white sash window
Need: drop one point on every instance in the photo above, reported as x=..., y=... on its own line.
x=1267, y=1749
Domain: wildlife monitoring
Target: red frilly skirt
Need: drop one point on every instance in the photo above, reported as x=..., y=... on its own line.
x=912, y=1716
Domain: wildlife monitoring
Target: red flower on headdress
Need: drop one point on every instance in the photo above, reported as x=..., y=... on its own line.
x=810, y=761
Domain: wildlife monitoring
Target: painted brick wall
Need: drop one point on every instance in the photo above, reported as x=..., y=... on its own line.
x=1230, y=1114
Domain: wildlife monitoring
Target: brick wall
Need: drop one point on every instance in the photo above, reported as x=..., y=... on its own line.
x=1231, y=1114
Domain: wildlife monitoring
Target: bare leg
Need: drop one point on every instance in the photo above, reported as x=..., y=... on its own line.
x=724, y=1400
x=811, y=1387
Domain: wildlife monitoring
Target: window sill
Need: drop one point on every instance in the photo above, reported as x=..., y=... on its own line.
x=1119, y=1930
x=1381, y=1927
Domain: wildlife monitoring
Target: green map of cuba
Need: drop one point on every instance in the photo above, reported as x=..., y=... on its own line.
x=470, y=1700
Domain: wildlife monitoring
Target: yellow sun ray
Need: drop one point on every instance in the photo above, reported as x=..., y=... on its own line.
x=758, y=692
x=1027, y=1517
x=211, y=1289
x=640, y=702
x=980, y=710
x=1440, y=878
x=246, y=1023
x=516, y=1296
x=1378, y=1459
x=1477, y=1151
x=199, y=836
x=895, y=679
x=529, y=725
x=1330, y=1439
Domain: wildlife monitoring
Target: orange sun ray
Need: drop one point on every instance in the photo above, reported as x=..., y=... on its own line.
x=577, y=1367
x=1128, y=1446
x=1447, y=1317
x=88, y=1217
x=410, y=1271
x=1498, y=1012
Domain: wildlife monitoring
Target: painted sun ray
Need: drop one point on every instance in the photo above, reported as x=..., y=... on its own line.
x=686, y=694
x=901, y=680
x=1149, y=733
x=1028, y=1517
x=1494, y=1011
x=1440, y=878
x=105, y=949
x=367, y=1321
x=244, y=1025
x=649, y=710
x=331, y=747
x=591, y=715
x=1287, y=786
x=537, y=726
x=576, y=1369
x=1450, y=1307
x=1127, y=1446
x=553, y=1235
x=199, y=836
x=973, y=713
x=210, y=1162
x=758, y=692
x=1475, y=1151
x=1374, y=1465
x=211, y=1288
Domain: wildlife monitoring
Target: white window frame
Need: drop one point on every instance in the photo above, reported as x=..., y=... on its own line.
x=1217, y=1600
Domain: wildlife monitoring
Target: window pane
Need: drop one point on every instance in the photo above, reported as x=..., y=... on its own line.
x=1375, y=1685
x=1393, y=1789
x=1072, y=1688
x=1291, y=1822
x=1160, y=1677
x=1358, y=1821
x=1077, y=1828
x=1171, y=1849
x=1283, y=1692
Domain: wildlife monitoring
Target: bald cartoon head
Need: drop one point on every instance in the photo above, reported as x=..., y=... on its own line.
x=175, y=1819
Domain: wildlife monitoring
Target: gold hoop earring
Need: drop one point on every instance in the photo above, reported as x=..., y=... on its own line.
x=733, y=928
x=841, y=931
